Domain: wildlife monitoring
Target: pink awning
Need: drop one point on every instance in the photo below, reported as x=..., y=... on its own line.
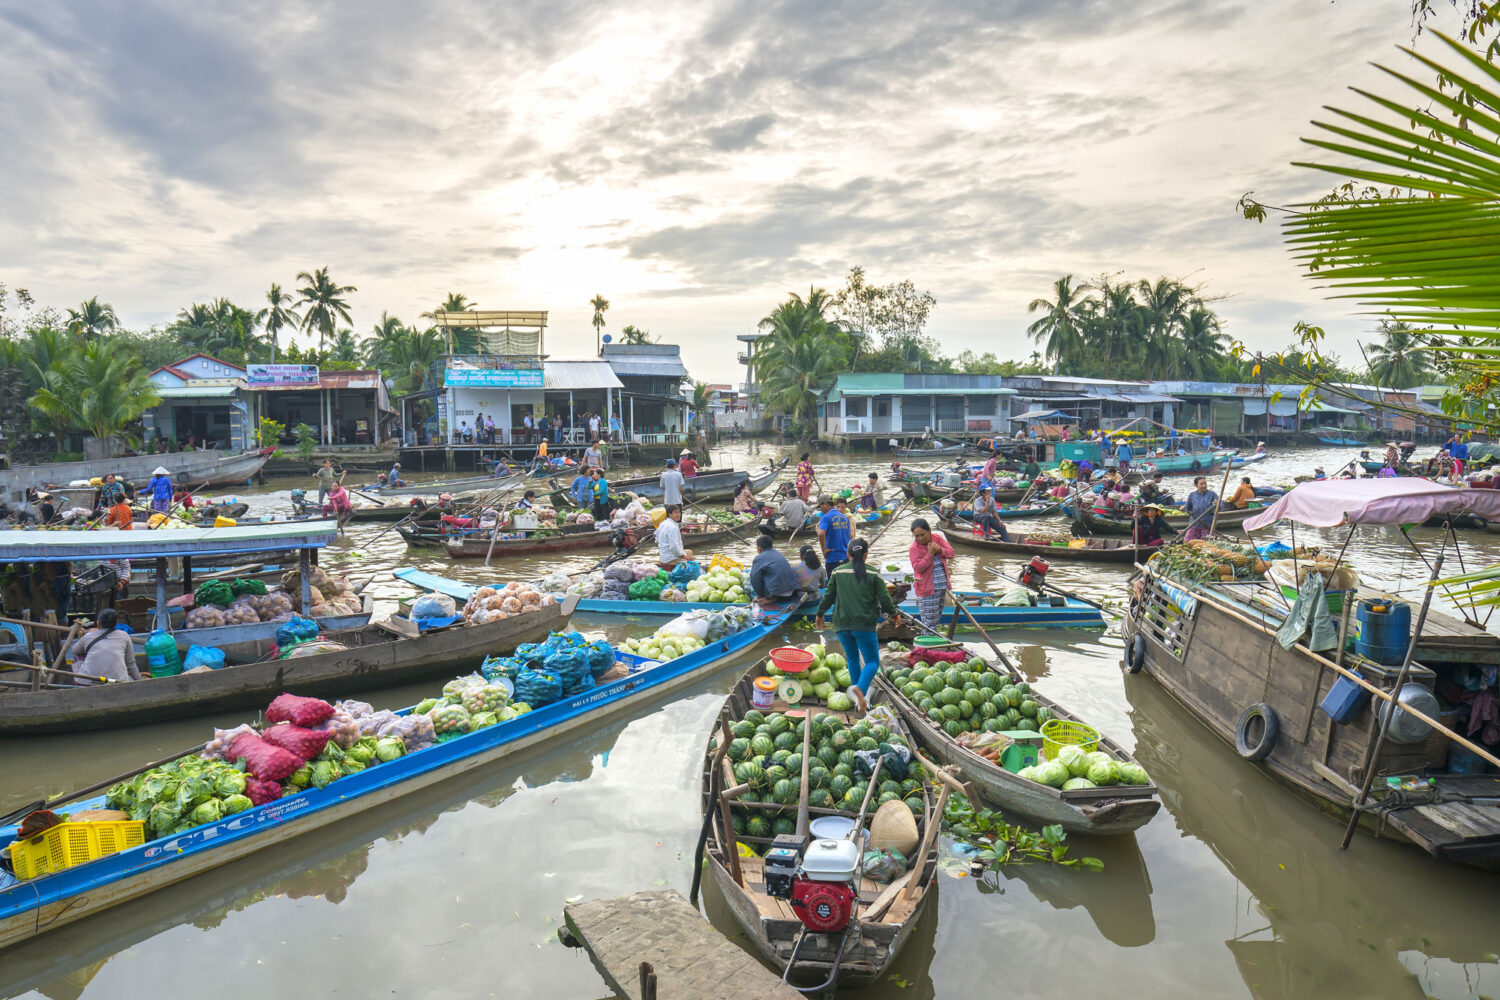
x=1375, y=501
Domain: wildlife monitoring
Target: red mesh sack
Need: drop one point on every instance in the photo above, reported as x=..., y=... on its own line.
x=305, y=743
x=261, y=792
x=297, y=710
x=262, y=759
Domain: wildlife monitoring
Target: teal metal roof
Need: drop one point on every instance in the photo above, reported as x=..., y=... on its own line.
x=36, y=545
x=898, y=384
x=191, y=391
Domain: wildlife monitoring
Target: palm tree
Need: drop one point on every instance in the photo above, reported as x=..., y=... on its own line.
x=92, y=318
x=325, y=303
x=1111, y=323
x=632, y=335
x=277, y=315
x=411, y=358
x=1399, y=361
x=99, y=391
x=1202, y=344
x=1060, y=324
x=1163, y=307
x=800, y=356
x=220, y=327
x=601, y=306
x=345, y=348
x=465, y=339
x=377, y=348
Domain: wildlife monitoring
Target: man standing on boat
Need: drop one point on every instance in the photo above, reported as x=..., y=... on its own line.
x=671, y=483
x=669, y=550
x=326, y=478
x=1200, y=506
x=581, y=490
x=834, y=531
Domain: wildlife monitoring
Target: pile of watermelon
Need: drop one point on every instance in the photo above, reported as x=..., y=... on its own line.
x=970, y=697
x=826, y=678
x=765, y=751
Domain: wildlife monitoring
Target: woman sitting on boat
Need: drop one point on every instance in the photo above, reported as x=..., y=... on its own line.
x=986, y=518
x=858, y=598
x=1150, y=526
x=744, y=500
x=869, y=498
x=338, y=502
x=810, y=573
x=105, y=652
x=929, y=553
x=1242, y=495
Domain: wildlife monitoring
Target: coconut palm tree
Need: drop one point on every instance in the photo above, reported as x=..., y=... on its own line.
x=800, y=356
x=1111, y=323
x=1060, y=325
x=218, y=328
x=1162, y=308
x=92, y=318
x=464, y=339
x=345, y=348
x=1399, y=360
x=325, y=303
x=99, y=391
x=601, y=306
x=278, y=315
x=632, y=335
x=411, y=357
x=1202, y=344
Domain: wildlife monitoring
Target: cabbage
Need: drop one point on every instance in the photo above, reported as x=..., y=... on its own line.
x=210, y=811
x=819, y=675
x=360, y=752
x=817, y=649
x=823, y=692
x=1028, y=772
x=323, y=772
x=1052, y=772
x=1073, y=784
x=1134, y=774
x=162, y=818
x=1105, y=773
x=236, y=804
x=834, y=661
x=229, y=782
x=1075, y=760
x=1099, y=757
x=349, y=765
x=519, y=707
x=301, y=778
x=194, y=790
x=483, y=720
x=838, y=701
x=389, y=748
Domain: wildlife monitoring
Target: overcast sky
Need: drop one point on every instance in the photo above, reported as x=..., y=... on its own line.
x=692, y=162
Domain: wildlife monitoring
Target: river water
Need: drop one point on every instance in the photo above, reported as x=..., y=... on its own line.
x=1234, y=889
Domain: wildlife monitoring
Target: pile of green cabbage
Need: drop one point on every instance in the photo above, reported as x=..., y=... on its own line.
x=335, y=763
x=181, y=795
x=1073, y=769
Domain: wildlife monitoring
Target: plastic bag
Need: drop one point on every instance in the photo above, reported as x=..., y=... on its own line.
x=371, y=724
x=296, y=709
x=538, y=687
x=693, y=623
x=601, y=657
x=295, y=630
x=341, y=727
x=216, y=747
x=685, y=573
x=356, y=709
x=501, y=666
x=884, y=864
x=305, y=743
x=416, y=731
x=265, y=761
x=434, y=606
x=213, y=592
x=203, y=656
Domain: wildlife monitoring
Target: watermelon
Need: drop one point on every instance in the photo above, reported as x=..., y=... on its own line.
x=987, y=710
x=955, y=676
x=742, y=730
x=866, y=743
x=1023, y=687
x=793, y=764
x=817, y=776
x=914, y=803
x=932, y=684
x=990, y=681
x=739, y=749
x=740, y=822
x=761, y=746
x=779, y=724
x=846, y=757
x=840, y=785
x=894, y=787
x=885, y=797
x=1028, y=708
x=783, y=826
x=1027, y=724
x=966, y=708
x=783, y=792
x=820, y=797
x=828, y=755
x=852, y=800
x=754, y=717
x=749, y=772
x=950, y=712
x=936, y=715
x=776, y=773
x=954, y=728
x=786, y=741
x=1043, y=714
x=758, y=826
x=780, y=756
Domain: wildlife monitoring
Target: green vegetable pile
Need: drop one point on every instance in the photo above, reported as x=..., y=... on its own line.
x=181, y=795
x=765, y=751
x=213, y=592
x=969, y=697
x=1074, y=768
x=650, y=588
x=826, y=679
x=241, y=585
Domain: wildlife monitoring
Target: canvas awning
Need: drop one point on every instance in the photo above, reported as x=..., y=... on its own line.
x=1042, y=415
x=1336, y=502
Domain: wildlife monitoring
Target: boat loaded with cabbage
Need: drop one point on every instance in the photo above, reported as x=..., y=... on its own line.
x=188, y=815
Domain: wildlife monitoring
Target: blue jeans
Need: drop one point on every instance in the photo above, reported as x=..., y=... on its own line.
x=862, y=650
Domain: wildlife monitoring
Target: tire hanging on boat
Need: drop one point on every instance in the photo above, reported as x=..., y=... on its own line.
x=1260, y=748
x=1135, y=653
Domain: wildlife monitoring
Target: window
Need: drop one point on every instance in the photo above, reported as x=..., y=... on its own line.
x=950, y=407
x=916, y=413
x=856, y=406
x=983, y=406
x=882, y=407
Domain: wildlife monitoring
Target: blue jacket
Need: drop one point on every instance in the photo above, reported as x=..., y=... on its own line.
x=161, y=488
x=581, y=490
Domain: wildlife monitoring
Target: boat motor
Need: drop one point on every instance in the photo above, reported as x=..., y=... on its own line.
x=1034, y=573
x=947, y=508
x=823, y=893
x=781, y=864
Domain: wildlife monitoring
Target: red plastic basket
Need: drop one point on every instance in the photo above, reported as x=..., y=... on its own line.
x=790, y=659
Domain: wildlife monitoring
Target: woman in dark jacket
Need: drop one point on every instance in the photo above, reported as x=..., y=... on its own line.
x=858, y=598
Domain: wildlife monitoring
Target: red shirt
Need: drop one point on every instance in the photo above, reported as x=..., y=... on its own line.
x=688, y=467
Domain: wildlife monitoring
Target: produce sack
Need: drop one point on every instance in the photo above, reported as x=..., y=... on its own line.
x=434, y=606
x=451, y=719
x=356, y=709
x=455, y=688
x=685, y=572
x=213, y=592
x=887, y=865
x=217, y=747
x=263, y=760
x=295, y=630
x=570, y=666
x=298, y=710
x=415, y=732
x=305, y=743
x=693, y=623
x=897, y=761
x=485, y=698
x=495, y=667
x=260, y=792
x=584, y=684
x=538, y=687
x=241, y=585
x=371, y=724
x=341, y=727
x=203, y=656
x=601, y=657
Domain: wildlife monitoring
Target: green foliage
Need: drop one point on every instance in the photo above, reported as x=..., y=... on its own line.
x=801, y=355
x=601, y=306
x=91, y=319
x=269, y=432
x=96, y=390
x=632, y=335
x=219, y=328
x=277, y=315
x=307, y=441
x=325, y=302
x=996, y=843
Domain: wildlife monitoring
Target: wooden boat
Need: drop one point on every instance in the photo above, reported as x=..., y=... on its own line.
x=1098, y=550
x=1193, y=463
x=862, y=521
x=454, y=486
x=937, y=451
x=1095, y=523
x=1015, y=513
x=884, y=917
x=34, y=907
x=1111, y=810
x=1192, y=640
x=921, y=491
x=1340, y=440
x=719, y=484
x=363, y=513
x=571, y=537
x=1240, y=461
x=198, y=469
x=375, y=657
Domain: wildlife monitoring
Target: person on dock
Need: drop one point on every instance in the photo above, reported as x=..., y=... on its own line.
x=326, y=477
x=160, y=488
x=805, y=477
x=489, y=429
x=1242, y=495
x=858, y=598
x=834, y=532
x=669, y=550
x=600, y=493
x=593, y=458
x=1200, y=506
x=614, y=427
x=811, y=576
x=869, y=497
x=105, y=651
x=1150, y=526
x=687, y=464
x=772, y=580
x=793, y=514
x=929, y=553
x=593, y=427
x=671, y=483
x=393, y=478
x=528, y=427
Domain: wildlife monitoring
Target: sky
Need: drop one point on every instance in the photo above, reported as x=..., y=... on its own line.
x=691, y=162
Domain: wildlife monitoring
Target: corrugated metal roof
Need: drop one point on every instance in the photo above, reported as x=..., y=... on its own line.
x=579, y=375
x=658, y=367
x=1143, y=397
x=115, y=543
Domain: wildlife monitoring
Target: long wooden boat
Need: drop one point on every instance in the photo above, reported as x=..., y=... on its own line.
x=940, y=451
x=720, y=484
x=1016, y=513
x=187, y=468
x=570, y=538
x=922, y=491
x=1107, y=810
x=1340, y=440
x=455, y=486
x=861, y=519
x=375, y=657
x=34, y=907
x=1191, y=639
x=884, y=917
x=1105, y=550
x=1064, y=613
x=1095, y=523
x=363, y=513
x=1240, y=461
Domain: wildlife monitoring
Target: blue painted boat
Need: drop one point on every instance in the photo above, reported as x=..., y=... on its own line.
x=31, y=907
x=1239, y=462
x=1340, y=440
x=1057, y=612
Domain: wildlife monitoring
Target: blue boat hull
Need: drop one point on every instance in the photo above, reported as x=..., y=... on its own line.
x=27, y=908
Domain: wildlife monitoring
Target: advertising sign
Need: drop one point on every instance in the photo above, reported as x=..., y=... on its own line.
x=506, y=378
x=281, y=374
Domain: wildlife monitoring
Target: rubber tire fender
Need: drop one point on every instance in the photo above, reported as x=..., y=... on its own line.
x=1197, y=465
x=1135, y=653
x=1262, y=748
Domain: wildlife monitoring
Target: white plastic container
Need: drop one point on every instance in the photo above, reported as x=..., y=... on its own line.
x=830, y=860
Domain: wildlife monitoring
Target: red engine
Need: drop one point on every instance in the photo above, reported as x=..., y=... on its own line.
x=1034, y=573
x=825, y=907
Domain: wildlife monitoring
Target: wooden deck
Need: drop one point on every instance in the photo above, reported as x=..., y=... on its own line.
x=689, y=957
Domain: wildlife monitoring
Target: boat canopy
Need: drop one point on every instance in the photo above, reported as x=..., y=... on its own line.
x=170, y=543
x=1335, y=502
x=1043, y=415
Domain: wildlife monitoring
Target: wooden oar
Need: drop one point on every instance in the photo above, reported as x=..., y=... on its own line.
x=58, y=800
x=17, y=665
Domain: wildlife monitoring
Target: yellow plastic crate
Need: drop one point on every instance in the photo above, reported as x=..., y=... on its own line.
x=1058, y=733
x=724, y=562
x=69, y=844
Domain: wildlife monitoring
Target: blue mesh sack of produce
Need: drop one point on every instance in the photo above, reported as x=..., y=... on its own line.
x=583, y=685
x=537, y=652
x=572, y=638
x=294, y=630
x=601, y=657
x=685, y=572
x=570, y=665
x=501, y=666
x=538, y=687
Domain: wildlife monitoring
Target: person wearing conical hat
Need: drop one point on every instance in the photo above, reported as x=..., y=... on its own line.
x=160, y=488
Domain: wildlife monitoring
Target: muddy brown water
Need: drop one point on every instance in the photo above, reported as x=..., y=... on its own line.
x=1235, y=889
